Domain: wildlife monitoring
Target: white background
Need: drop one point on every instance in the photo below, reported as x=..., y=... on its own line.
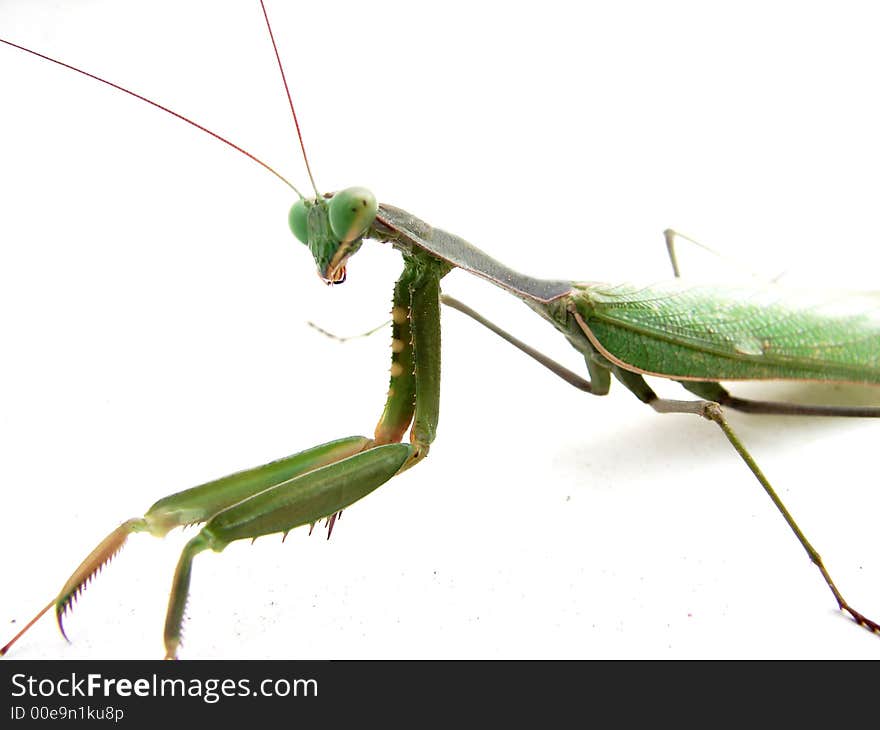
x=153, y=312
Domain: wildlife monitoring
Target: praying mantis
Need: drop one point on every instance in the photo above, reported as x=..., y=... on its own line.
x=494, y=420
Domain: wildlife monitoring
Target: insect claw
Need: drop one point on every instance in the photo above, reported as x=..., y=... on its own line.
x=862, y=620
x=60, y=618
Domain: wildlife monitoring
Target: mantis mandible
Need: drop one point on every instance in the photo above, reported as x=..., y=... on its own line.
x=338, y=401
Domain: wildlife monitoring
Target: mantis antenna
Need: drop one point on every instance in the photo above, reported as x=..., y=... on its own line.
x=289, y=99
x=192, y=122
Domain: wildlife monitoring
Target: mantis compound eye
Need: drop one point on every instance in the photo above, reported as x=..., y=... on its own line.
x=351, y=213
x=298, y=220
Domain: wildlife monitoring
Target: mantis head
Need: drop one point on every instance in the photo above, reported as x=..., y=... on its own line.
x=333, y=228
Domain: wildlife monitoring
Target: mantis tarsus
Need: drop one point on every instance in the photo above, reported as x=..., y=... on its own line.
x=340, y=402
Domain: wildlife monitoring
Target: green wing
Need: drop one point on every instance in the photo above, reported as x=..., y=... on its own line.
x=735, y=332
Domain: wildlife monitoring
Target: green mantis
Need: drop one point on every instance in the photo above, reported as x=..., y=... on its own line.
x=480, y=517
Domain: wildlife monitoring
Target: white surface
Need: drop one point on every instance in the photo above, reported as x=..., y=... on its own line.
x=154, y=307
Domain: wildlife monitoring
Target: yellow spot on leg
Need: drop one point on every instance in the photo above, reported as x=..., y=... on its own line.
x=396, y=370
x=397, y=345
x=398, y=315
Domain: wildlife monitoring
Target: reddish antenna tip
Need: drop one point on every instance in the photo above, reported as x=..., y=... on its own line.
x=158, y=106
x=289, y=99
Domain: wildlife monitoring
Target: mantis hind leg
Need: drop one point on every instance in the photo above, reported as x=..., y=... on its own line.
x=715, y=392
x=714, y=412
x=670, y=236
x=708, y=390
